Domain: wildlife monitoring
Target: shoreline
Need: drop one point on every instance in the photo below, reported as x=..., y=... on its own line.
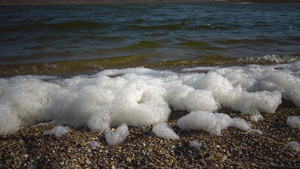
x=29, y=148
x=83, y=2
x=91, y=2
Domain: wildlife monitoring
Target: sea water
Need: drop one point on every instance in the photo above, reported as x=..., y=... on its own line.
x=72, y=39
x=113, y=66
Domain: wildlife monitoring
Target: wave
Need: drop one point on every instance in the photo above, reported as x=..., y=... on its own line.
x=90, y=66
x=69, y=68
x=145, y=44
x=247, y=41
x=200, y=45
x=175, y=26
x=71, y=25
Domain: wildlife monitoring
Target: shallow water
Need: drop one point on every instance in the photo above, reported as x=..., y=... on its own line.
x=203, y=57
x=89, y=38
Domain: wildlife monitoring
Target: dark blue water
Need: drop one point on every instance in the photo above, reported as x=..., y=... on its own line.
x=132, y=35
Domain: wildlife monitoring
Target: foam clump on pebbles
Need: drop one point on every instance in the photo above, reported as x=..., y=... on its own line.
x=195, y=144
x=294, y=121
x=58, y=131
x=117, y=136
x=163, y=130
x=212, y=123
x=9, y=121
x=240, y=124
x=94, y=143
x=141, y=96
x=233, y=95
x=185, y=97
x=259, y=132
x=295, y=145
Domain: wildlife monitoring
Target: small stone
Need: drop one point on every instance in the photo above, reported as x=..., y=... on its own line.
x=162, y=163
x=82, y=144
x=217, y=146
x=128, y=159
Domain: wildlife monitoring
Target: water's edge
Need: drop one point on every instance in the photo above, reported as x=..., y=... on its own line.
x=91, y=66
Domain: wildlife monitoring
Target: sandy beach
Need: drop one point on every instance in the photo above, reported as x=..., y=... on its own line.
x=29, y=148
x=70, y=81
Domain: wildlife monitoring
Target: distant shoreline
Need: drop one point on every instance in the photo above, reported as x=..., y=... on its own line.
x=61, y=2
x=66, y=2
x=266, y=1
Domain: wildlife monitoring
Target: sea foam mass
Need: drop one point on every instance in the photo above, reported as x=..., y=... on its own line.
x=141, y=96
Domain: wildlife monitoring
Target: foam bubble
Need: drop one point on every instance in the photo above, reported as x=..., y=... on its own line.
x=256, y=116
x=293, y=121
x=296, y=67
x=217, y=84
x=186, y=98
x=264, y=101
x=117, y=136
x=163, y=130
x=295, y=145
x=257, y=131
x=195, y=144
x=213, y=123
x=58, y=131
x=240, y=124
x=94, y=143
x=9, y=121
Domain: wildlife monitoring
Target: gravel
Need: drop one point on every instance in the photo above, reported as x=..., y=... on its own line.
x=29, y=148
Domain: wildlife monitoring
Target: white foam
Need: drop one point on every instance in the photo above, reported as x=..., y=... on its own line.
x=184, y=97
x=235, y=97
x=283, y=78
x=256, y=116
x=240, y=124
x=295, y=145
x=58, y=131
x=259, y=132
x=263, y=101
x=140, y=96
x=213, y=123
x=195, y=144
x=199, y=69
x=117, y=136
x=9, y=121
x=293, y=121
x=163, y=130
x=296, y=67
x=94, y=143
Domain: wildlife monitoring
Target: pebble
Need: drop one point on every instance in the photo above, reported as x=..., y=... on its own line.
x=142, y=149
x=128, y=159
